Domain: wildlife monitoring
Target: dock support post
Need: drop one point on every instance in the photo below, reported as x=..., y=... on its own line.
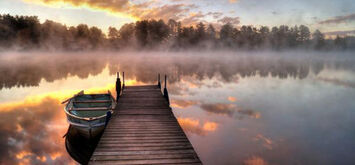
x=166, y=94
x=159, y=85
x=108, y=117
x=123, y=82
x=118, y=86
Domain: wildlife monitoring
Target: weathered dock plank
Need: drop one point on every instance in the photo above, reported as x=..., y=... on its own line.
x=143, y=130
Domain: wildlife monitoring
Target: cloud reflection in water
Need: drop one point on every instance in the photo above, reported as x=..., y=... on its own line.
x=226, y=105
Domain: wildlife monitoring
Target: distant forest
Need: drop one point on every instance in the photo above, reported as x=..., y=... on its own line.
x=27, y=33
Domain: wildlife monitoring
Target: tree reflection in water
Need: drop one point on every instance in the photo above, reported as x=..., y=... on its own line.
x=30, y=70
x=250, y=104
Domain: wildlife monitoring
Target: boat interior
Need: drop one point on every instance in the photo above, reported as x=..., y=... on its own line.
x=91, y=105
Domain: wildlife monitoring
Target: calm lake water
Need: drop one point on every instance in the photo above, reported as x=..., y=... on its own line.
x=236, y=108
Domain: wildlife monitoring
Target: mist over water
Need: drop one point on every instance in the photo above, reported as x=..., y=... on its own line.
x=236, y=107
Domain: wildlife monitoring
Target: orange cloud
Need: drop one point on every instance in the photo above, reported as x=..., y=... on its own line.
x=232, y=99
x=32, y=132
x=55, y=155
x=193, y=18
x=219, y=108
x=339, y=19
x=255, y=160
x=188, y=121
x=182, y=103
x=124, y=8
x=210, y=126
x=23, y=154
x=114, y=7
x=194, y=126
x=229, y=110
x=231, y=20
x=41, y=158
x=232, y=1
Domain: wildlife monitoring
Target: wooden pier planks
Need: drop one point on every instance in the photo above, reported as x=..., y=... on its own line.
x=144, y=130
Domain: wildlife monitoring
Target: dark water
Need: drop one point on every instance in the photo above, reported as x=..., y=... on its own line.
x=246, y=108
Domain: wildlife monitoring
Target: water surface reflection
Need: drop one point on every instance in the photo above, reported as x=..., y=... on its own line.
x=244, y=109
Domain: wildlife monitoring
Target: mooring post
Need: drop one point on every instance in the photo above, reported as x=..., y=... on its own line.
x=108, y=117
x=166, y=94
x=123, y=82
x=118, y=86
x=159, y=85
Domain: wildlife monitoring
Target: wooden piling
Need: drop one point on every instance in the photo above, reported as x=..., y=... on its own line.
x=118, y=86
x=159, y=85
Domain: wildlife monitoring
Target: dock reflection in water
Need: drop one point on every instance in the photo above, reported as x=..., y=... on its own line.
x=235, y=109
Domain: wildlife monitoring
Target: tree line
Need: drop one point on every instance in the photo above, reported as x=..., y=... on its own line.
x=27, y=33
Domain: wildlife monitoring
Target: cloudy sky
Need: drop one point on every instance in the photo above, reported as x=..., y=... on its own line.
x=326, y=15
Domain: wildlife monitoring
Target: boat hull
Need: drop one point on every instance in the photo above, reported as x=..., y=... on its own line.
x=87, y=128
x=89, y=132
x=89, y=114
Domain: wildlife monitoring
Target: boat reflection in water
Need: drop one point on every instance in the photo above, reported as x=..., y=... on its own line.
x=79, y=147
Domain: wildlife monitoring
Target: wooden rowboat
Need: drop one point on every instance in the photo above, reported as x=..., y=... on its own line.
x=89, y=113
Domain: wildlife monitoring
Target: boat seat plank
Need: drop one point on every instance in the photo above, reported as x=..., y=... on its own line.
x=92, y=101
x=91, y=109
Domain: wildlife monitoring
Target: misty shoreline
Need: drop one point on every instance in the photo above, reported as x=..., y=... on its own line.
x=26, y=33
x=202, y=53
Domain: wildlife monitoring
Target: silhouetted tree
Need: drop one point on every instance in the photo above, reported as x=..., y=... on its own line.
x=340, y=43
x=304, y=35
x=200, y=32
x=173, y=26
x=113, y=33
x=158, y=31
x=126, y=34
x=264, y=35
x=95, y=37
x=22, y=31
x=293, y=36
x=211, y=32
x=82, y=37
x=226, y=35
x=211, y=36
x=141, y=32
x=114, y=37
x=318, y=39
x=54, y=36
x=186, y=37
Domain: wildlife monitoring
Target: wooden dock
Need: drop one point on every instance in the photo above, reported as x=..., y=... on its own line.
x=143, y=130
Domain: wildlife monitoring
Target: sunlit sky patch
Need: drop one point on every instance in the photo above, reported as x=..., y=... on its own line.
x=248, y=12
x=64, y=14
